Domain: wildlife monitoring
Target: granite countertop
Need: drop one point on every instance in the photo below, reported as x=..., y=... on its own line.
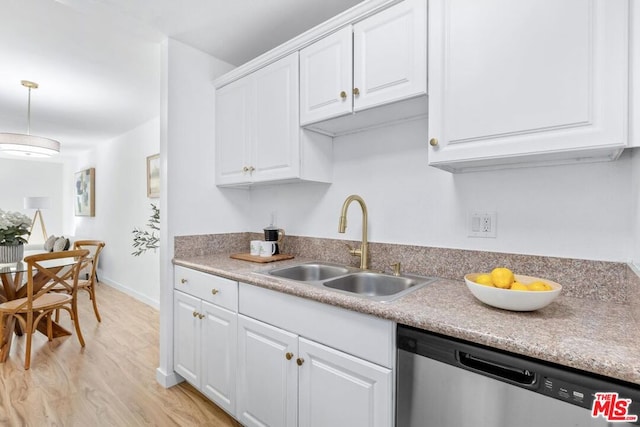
x=595, y=336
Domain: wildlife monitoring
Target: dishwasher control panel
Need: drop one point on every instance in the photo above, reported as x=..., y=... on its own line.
x=564, y=390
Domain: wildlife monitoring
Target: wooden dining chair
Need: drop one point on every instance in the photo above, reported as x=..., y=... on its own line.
x=38, y=303
x=90, y=265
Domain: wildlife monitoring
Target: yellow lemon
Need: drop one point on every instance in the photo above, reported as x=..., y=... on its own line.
x=484, y=279
x=502, y=277
x=517, y=286
x=539, y=286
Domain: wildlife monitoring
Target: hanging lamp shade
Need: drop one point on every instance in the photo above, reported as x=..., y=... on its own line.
x=27, y=144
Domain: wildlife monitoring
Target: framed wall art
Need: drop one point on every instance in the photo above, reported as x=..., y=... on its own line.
x=153, y=176
x=85, y=200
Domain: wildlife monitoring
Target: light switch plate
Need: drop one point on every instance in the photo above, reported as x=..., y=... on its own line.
x=483, y=224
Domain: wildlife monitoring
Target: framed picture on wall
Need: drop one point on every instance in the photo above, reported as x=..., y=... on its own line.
x=85, y=189
x=153, y=176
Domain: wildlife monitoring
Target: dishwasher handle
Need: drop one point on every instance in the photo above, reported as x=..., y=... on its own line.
x=514, y=375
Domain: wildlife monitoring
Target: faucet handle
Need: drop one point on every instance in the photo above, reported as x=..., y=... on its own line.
x=353, y=251
x=396, y=268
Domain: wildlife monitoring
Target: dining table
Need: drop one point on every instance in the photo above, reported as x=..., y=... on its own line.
x=14, y=286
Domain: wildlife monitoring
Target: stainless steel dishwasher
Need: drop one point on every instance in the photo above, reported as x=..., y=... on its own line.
x=444, y=382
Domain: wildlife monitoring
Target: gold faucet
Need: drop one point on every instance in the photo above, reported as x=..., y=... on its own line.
x=363, y=251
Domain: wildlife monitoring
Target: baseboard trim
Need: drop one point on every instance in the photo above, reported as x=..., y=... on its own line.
x=127, y=290
x=168, y=380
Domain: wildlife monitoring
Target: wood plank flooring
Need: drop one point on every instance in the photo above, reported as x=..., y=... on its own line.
x=111, y=382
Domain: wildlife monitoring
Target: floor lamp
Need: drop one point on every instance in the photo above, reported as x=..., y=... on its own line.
x=37, y=203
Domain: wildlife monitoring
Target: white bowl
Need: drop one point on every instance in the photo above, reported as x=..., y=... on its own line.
x=511, y=299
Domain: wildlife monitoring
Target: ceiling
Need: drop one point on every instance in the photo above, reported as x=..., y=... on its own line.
x=98, y=61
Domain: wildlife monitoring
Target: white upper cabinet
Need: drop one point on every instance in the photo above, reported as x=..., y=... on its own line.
x=258, y=137
x=374, y=62
x=526, y=82
x=390, y=55
x=275, y=148
x=326, y=78
x=233, y=132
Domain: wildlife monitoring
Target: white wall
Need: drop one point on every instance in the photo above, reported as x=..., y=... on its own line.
x=122, y=204
x=190, y=199
x=195, y=204
x=581, y=211
x=635, y=210
x=21, y=178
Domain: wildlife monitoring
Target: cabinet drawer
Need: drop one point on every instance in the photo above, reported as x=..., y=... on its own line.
x=214, y=289
x=358, y=334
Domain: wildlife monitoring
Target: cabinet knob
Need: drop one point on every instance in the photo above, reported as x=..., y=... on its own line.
x=245, y=169
x=214, y=291
x=299, y=361
x=183, y=281
x=251, y=168
x=356, y=91
x=200, y=316
x=289, y=356
x=343, y=95
x=195, y=313
x=433, y=142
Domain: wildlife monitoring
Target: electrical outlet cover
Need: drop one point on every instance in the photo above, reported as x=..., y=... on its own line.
x=482, y=224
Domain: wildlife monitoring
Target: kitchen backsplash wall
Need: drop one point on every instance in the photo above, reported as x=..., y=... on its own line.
x=598, y=280
x=208, y=244
x=578, y=211
x=634, y=286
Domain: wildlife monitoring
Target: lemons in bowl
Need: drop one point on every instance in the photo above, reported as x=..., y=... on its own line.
x=503, y=289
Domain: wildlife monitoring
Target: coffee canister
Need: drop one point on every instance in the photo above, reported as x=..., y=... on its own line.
x=275, y=234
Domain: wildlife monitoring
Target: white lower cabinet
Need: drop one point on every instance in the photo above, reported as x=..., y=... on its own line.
x=267, y=375
x=287, y=380
x=336, y=389
x=205, y=335
x=271, y=359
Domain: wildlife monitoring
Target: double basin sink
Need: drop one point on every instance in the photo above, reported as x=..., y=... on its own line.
x=364, y=283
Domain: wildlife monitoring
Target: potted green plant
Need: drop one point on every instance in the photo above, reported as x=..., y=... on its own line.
x=13, y=226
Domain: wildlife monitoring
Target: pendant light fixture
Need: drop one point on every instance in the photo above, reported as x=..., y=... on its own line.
x=27, y=144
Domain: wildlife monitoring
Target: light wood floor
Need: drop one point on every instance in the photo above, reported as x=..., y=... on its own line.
x=109, y=383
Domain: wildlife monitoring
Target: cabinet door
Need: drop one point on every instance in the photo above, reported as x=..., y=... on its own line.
x=526, y=81
x=390, y=55
x=326, y=75
x=234, y=132
x=219, y=351
x=336, y=389
x=186, y=337
x=275, y=150
x=267, y=380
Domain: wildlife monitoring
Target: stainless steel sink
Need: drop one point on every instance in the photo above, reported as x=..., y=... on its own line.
x=372, y=284
x=354, y=281
x=310, y=272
